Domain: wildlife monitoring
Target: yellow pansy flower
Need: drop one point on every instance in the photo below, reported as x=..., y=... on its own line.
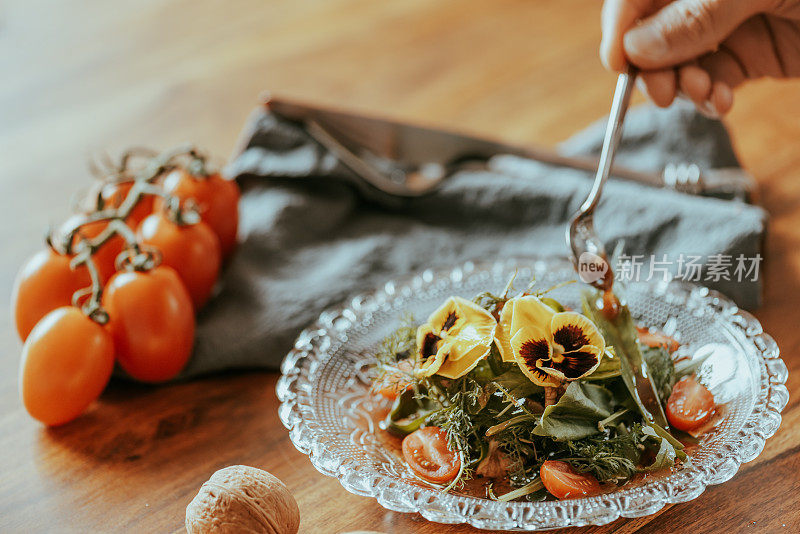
x=455, y=338
x=549, y=347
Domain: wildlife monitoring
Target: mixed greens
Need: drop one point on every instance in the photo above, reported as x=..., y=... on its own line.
x=513, y=382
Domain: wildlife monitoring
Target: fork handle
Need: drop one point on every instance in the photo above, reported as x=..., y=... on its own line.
x=619, y=106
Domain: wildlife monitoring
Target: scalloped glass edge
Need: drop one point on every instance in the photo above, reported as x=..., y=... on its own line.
x=393, y=494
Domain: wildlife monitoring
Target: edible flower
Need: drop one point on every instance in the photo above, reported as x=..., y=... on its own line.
x=549, y=347
x=455, y=338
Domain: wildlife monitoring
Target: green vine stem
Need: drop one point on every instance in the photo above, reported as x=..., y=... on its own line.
x=92, y=307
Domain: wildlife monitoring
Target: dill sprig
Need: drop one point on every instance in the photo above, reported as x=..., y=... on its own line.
x=612, y=456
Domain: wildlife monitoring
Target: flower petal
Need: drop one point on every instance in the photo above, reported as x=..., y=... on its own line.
x=532, y=349
x=502, y=335
x=429, y=351
x=571, y=331
x=447, y=317
x=530, y=311
x=473, y=328
x=575, y=364
x=451, y=368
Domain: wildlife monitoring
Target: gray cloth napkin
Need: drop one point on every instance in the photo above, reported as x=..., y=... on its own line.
x=308, y=240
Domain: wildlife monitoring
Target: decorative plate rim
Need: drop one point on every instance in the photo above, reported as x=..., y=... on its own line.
x=301, y=362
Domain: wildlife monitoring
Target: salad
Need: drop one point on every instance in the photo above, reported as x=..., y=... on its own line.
x=529, y=400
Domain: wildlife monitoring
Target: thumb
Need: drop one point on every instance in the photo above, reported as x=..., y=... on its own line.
x=686, y=29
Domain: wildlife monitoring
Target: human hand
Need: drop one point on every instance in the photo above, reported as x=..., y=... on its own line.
x=701, y=48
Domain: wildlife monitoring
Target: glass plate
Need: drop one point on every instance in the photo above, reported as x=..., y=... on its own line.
x=326, y=406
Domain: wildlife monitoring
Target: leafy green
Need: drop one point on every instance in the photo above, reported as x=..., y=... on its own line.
x=610, y=457
x=661, y=435
x=665, y=457
x=620, y=332
x=517, y=384
x=577, y=413
x=661, y=368
x=609, y=367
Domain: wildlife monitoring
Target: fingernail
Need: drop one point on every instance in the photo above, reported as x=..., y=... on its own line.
x=722, y=95
x=708, y=109
x=645, y=41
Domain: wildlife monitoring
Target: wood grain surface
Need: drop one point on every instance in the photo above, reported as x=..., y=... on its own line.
x=78, y=76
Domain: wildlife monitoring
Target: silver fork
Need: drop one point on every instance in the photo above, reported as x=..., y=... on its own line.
x=588, y=252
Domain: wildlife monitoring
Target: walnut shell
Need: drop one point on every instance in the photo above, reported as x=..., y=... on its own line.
x=243, y=499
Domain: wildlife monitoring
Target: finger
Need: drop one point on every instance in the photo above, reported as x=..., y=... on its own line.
x=684, y=30
x=660, y=86
x=695, y=83
x=753, y=43
x=721, y=98
x=724, y=66
x=617, y=17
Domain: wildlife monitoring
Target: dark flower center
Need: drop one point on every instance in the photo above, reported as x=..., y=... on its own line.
x=571, y=337
x=575, y=364
x=430, y=345
x=449, y=322
x=533, y=351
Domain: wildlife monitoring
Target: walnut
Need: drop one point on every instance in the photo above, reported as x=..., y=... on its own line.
x=243, y=499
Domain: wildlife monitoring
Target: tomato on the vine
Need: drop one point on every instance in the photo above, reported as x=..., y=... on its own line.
x=563, y=482
x=66, y=363
x=115, y=193
x=151, y=319
x=426, y=452
x=216, y=199
x=690, y=404
x=44, y=283
x=192, y=250
x=105, y=257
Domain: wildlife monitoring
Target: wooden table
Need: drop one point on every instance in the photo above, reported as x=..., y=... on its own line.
x=83, y=75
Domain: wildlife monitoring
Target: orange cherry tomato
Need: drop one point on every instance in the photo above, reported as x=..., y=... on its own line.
x=394, y=383
x=426, y=452
x=192, y=250
x=563, y=482
x=217, y=201
x=151, y=320
x=44, y=283
x=690, y=404
x=114, y=194
x=657, y=339
x=66, y=363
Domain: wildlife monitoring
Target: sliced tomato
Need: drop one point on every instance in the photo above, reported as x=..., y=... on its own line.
x=392, y=384
x=657, y=339
x=563, y=482
x=428, y=455
x=690, y=404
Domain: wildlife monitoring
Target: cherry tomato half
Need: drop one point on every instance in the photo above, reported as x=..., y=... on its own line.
x=192, y=250
x=657, y=339
x=44, y=283
x=426, y=452
x=563, y=482
x=151, y=320
x=66, y=363
x=393, y=384
x=690, y=404
x=217, y=202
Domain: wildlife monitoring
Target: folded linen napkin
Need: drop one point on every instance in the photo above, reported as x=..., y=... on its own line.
x=308, y=240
